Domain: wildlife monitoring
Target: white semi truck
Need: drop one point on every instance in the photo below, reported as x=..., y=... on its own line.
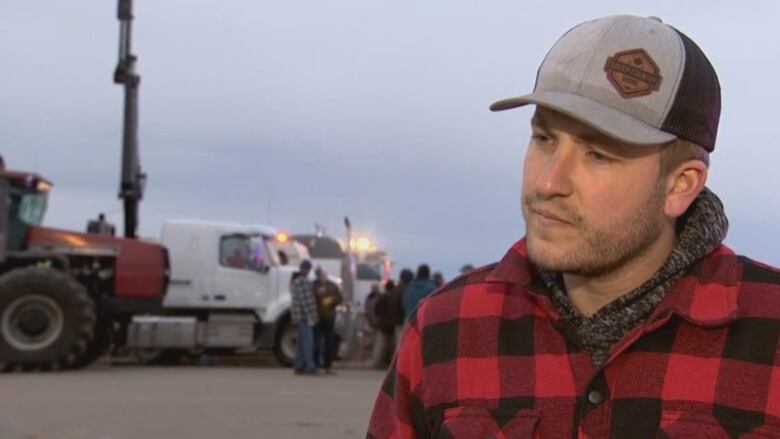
x=372, y=268
x=228, y=293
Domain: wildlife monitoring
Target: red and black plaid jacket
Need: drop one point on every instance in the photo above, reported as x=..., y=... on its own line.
x=489, y=356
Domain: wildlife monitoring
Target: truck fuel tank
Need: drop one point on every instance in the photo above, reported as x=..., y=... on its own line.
x=162, y=332
x=221, y=330
x=227, y=331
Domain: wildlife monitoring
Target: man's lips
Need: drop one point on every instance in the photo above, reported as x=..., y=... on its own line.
x=550, y=216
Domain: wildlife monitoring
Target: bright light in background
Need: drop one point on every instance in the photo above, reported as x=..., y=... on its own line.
x=282, y=237
x=361, y=244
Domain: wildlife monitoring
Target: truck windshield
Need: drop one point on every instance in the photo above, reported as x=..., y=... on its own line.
x=244, y=252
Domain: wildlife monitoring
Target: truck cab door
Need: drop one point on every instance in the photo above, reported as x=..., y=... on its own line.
x=241, y=278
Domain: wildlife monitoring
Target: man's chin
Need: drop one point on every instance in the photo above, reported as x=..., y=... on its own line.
x=547, y=256
x=539, y=253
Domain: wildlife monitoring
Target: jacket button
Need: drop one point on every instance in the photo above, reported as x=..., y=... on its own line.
x=594, y=397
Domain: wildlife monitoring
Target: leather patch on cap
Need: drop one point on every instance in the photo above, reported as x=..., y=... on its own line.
x=633, y=73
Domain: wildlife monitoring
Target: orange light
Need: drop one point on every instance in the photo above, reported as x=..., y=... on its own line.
x=282, y=237
x=43, y=186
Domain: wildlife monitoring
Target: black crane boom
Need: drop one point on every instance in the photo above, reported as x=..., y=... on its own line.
x=131, y=185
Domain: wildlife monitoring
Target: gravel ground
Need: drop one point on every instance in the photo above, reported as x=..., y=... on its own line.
x=229, y=400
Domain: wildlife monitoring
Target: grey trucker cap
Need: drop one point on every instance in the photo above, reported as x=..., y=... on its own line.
x=635, y=79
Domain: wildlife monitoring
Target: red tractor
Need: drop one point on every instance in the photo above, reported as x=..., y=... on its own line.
x=66, y=297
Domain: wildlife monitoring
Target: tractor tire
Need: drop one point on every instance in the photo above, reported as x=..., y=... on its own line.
x=97, y=347
x=47, y=320
x=284, y=347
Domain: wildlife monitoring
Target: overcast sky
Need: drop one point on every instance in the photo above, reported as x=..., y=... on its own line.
x=301, y=112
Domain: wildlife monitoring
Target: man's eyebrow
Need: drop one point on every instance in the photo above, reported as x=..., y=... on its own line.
x=539, y=122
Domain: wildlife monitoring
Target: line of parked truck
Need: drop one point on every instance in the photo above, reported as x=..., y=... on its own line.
x=69, y=297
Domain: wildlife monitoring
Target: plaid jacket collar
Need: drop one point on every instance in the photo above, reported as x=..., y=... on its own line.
x=706, y=304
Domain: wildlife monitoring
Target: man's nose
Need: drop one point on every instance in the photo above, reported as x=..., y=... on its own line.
x=555, y=178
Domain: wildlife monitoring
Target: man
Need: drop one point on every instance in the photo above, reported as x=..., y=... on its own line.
x=420, y=288
x=392, y=309
x=621, y=313
x=304, y=316
x=389, y=312
x=328, y=297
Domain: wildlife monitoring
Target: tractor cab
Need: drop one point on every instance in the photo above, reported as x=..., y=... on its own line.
x=23, y=200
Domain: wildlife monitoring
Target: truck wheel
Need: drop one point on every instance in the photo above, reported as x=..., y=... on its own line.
x=284, y=348
x=47, y=319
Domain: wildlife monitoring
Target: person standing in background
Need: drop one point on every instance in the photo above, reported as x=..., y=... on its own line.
x=417, y=290
x=394, y=308
x=304, y=316
x=388, y=312
x=328, y=296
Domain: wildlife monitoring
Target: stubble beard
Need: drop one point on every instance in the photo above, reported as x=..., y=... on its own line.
x=601, y=251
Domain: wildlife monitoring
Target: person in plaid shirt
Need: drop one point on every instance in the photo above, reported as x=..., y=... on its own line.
x=304, y=316
x=620, y=313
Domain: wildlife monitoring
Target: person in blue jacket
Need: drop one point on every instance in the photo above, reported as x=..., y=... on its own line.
x=418, y=289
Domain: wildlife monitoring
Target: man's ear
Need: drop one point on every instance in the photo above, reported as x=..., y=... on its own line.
x=683, y=185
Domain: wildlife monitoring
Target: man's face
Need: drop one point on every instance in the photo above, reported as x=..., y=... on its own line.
x=590, y=203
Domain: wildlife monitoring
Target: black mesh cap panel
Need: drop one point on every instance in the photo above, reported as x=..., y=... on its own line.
x=695, y=111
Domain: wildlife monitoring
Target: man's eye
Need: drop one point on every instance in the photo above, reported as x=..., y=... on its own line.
x=599, y=157
x=541, y=138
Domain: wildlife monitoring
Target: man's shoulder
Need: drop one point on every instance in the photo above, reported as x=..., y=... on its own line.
x=474, y=277
x=725, y=282
x=759, y=289
x=759, y=272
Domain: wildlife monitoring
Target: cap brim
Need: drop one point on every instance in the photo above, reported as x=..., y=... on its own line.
x=611, y=122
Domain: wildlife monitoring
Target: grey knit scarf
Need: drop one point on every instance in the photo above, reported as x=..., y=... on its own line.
x=701, y=229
